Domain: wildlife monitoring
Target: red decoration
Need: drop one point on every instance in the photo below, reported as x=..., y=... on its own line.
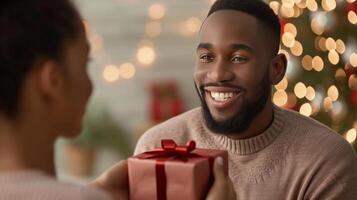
x=351, y=7
x=283, y=22
x=164, y=101
x=354, y=98
x=349, y=69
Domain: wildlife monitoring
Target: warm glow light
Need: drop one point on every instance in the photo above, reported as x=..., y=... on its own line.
x=274, y=5
x=287, y=11
x=157, y=11
x=327, y=104
x=193, y=24
x=322, y=44
x=316, y=27
x=333, y=57
x=332, y=92
x=317, y=63
x=352, y=82
x=307, y=62
x=340, y=74
x=111, y=73
x=288, y=39
x=302, y=4
x=288, y=3
x=340, y=46
x=310, y=93
x=351, y=135
x=282, y=85
x=280, y=98
x=306, y=109
x=289, y=27
x=127, y=71
x=153, y=29
x=297, y=11
x=146, y=55
x=300, y=90
x=311, y=5
x=352, y=17
x=297, y=49
x=350, y=1
x=353, y=59
x=330, y=44
x=328, y=5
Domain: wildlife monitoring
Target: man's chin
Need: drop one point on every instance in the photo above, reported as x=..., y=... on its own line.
x=221, y=116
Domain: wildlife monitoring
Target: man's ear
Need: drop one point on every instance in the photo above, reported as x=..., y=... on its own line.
x=278, y=68
x=50, y=80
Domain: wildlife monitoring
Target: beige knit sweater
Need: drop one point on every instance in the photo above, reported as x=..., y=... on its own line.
x=35, y=185
x=295, y=158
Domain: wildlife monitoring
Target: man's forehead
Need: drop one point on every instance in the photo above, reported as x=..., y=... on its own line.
x=232, y=18
x=231, y=29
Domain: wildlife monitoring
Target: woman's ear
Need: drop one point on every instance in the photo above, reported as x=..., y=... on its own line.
x=50, y=80
x=278, y=68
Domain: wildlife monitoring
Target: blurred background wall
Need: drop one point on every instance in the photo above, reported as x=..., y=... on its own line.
x=143, y=57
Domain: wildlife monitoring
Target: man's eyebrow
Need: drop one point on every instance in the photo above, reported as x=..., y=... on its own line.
x=207, y=46
x=235, y=46
x=241, y=47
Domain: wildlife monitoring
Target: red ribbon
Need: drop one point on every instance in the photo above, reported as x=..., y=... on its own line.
x=169, y=149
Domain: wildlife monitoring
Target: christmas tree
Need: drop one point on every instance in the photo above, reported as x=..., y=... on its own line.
x=320, y=41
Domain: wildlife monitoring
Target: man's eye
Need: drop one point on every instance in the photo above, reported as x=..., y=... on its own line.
x=239, y=59
x=206, y=58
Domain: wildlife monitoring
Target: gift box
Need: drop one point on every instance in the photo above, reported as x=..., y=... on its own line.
x=173, y=172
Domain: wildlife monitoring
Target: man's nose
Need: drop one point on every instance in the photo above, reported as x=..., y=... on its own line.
x=220, y=72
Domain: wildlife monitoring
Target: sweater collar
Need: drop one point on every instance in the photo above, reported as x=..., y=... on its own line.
x=253, y=144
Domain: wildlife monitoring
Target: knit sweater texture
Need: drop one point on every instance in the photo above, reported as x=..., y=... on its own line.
x=296, y=158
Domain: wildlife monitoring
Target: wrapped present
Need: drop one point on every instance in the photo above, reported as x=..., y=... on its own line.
x=173, y=172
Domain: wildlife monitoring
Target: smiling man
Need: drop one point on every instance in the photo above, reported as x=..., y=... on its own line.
x=273, y=153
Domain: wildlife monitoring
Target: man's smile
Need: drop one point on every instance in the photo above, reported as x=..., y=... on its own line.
x=221, y=97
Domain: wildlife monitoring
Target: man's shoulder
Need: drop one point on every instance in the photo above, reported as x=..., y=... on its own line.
x=177, y=128
x=313, y=136
x=296, y=119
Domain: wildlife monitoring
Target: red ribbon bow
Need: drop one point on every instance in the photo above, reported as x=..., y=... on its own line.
x=169, y=148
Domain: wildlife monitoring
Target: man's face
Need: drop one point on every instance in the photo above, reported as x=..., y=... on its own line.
x=78, y=86
x=232, y=70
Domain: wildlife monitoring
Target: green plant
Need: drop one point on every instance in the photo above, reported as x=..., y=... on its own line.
x=101, y=130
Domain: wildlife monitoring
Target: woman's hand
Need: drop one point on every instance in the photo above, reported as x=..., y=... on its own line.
x=114, y=181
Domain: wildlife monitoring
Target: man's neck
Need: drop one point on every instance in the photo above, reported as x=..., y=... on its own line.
x=259, y=124
x=22, y=147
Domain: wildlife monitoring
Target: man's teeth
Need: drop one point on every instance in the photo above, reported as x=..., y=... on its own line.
x=221, y=96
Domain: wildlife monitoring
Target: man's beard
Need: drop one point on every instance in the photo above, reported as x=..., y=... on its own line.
x=241, y=120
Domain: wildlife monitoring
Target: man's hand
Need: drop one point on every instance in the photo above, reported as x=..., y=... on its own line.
x=114, y=181
x=222, y=187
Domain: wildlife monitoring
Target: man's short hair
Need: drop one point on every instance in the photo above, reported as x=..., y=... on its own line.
x=31, y=31
x=257, y=8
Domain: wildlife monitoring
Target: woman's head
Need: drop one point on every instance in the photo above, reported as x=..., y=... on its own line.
x=43, y=41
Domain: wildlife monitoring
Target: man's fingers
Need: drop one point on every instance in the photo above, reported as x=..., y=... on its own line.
x=218, y=171
x=223, y=186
